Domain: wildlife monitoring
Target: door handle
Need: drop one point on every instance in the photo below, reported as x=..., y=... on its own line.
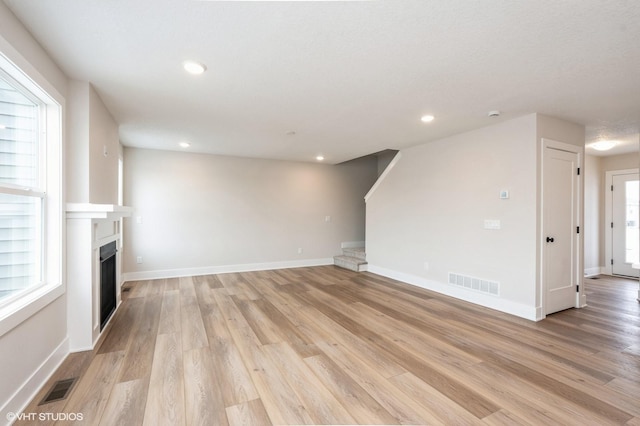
x=549, y=239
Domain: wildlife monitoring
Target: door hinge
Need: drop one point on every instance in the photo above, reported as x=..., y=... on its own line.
x=578, y=288
x=612, y=261
x=612, y=187
x=612, y=224
x=578, y=171
x=578, y=229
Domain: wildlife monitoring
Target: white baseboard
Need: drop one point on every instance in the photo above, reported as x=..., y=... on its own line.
x=23, y=396
x=224, y=269
x=352, y=244
x=513, y=308
x=592, y=272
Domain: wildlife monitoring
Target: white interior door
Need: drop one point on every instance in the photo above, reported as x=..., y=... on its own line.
x=625, y=236
x=560, y=232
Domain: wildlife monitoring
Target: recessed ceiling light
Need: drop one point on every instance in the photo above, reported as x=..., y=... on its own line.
x=603, y=145
x=184, y=144
x=193, y=67
x=494, y=113
x=2, y=126
x=320, y=158
x=291, y=133
x=427, y=118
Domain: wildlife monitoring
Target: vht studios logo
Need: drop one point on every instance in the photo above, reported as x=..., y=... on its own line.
x=43, y=417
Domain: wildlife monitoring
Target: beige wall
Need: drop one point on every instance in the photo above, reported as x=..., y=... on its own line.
x=432, y=206
x=77, y=147
x=593, y=215
x=92, y=177
x=206, y=211
x=103, y=134
x=426, y=219
x=384, y=159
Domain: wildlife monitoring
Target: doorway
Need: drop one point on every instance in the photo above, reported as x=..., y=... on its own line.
x=622, y=240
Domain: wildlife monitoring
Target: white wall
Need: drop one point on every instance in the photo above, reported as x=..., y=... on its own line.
x=31, y=349
x=205, y=213
x=426, y=218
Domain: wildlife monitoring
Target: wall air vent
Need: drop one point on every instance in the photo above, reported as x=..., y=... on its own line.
x=475, y=284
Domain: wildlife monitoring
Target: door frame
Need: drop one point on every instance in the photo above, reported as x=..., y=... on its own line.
x=608, y=216
x=580, y=300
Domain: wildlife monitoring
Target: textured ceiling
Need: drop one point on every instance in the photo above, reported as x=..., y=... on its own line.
x=350, y=78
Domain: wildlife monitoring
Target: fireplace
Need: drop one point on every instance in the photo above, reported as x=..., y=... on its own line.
x=94, y=238
x=107, y=282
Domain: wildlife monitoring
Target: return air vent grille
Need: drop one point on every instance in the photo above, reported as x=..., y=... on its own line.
x=60, y=390
x=476, y=284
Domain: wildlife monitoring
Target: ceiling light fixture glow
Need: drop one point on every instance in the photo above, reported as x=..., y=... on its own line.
x=2, y=126
x=603, y=145
x=427, y=118
x=320, y=158
x=184, y=144
x=195, y=68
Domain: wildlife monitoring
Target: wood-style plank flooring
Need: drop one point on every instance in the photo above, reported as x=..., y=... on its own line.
x=328, y=346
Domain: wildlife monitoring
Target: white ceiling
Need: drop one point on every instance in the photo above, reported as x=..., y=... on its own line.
x=350, y=78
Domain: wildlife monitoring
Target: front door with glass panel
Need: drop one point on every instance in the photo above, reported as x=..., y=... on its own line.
x=625, y=235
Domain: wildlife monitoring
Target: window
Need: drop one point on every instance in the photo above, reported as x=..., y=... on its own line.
x=30, y=188
x=22, y=194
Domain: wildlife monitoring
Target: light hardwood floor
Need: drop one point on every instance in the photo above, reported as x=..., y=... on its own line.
x=328, y=346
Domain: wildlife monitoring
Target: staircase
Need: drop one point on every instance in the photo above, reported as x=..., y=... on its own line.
x=354, y=259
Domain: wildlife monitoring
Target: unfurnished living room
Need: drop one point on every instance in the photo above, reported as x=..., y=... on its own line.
x=420, y=212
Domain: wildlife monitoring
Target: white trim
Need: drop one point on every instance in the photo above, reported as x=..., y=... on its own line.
x=352, y=244
x=97, y=211
x=27, y=306
x=492, y=302
x=23, y=396
x=608, y=216
x=223, y=269
x=382, y=176
x=592, y=272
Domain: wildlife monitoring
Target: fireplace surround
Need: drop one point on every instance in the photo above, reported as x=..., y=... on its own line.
x=91, y=227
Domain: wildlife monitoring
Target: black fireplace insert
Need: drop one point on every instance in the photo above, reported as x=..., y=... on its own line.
x=107, y=282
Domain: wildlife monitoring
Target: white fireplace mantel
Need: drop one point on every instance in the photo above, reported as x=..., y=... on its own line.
x=89, y=226
x=97, y=211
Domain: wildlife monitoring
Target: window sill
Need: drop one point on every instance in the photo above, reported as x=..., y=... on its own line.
x=24, y=308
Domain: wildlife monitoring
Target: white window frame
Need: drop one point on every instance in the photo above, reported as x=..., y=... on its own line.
x=23, y=305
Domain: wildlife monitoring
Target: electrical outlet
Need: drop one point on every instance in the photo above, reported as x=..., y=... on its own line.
x=327, y=218
x=300, y=250
x=492, y=224
x=139, y=259
x=139, y=220
x=426, y=266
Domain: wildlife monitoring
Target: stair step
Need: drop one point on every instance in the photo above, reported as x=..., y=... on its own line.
x=350, y=262
x=357, y=252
